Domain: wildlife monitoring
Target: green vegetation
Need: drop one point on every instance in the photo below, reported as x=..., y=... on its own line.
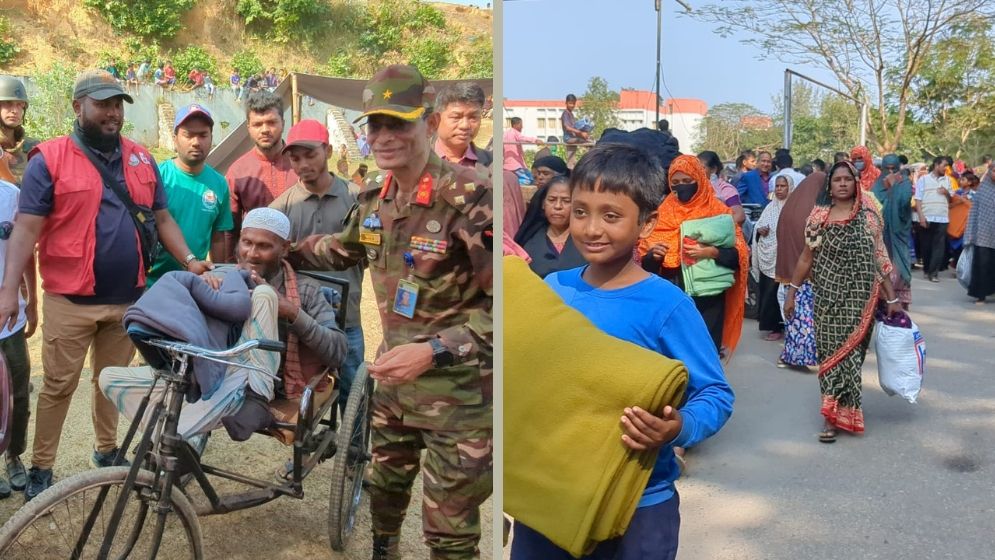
x=8, y=46
x=247, y=63
x=193, y=57
x=50, y=114
x=145, y=18
x=430, y=55
x=600, y=105
x=284, y=21
x=479, y=59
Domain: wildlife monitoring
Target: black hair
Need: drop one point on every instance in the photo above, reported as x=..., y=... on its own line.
x=516, y=120
x=783, y=159
x=663, y=125
x=937, y=160
x=571, y=97
x=903, y=160
x=840, y=156
x=747, y=154
x=711, y=160
x=552, y=139
x=739, y=161
x=807, y=169
x=950, y=160
x=986, y=158
x=462, y=92
x=263, y=101
x=818, y=165
x=621, y=169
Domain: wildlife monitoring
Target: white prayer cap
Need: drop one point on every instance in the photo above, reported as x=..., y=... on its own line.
x=268, y=219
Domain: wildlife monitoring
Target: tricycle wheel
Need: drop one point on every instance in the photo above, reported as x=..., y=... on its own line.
x=352, y=444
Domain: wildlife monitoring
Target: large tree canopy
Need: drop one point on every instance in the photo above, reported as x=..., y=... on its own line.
x=876, y=49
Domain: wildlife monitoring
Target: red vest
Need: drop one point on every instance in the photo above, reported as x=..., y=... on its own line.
x=68, y=240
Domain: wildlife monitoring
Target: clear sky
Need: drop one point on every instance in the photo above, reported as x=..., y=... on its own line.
x=553, y=47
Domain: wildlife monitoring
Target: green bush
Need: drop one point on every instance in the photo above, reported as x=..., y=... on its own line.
x=429, y=55
x=479, y=61
x=51, y=112
x=341, y=65
x=147, y=18
x=194, y=57
x=247, y=63
x=140, y=50
x=8, y=46
x=426, y=15
x=284, y=21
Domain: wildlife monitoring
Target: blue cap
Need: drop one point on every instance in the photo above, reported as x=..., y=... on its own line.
x=192, y=110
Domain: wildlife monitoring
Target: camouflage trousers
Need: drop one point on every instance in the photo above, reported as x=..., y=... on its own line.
x=457, y=479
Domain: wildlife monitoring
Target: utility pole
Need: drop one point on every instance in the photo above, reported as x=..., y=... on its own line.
x=659, y=28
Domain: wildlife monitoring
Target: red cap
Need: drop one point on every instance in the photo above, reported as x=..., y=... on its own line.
x=309, y=133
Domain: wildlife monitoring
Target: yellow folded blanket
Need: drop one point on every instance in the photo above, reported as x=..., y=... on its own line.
x=567, y=473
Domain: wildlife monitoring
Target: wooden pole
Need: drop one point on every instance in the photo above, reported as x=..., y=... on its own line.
x=295, y=100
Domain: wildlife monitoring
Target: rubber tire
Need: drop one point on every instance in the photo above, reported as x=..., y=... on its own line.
x=338, y=531
x=90, y=480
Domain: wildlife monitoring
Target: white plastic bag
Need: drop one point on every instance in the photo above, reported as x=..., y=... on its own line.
x=964, y=267
x=901, y=354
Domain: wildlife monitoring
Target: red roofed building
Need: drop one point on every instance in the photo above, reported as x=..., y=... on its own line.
x=541, y=117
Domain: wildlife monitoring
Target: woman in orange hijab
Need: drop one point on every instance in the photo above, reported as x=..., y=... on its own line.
x=862, y=160
x=692, y=198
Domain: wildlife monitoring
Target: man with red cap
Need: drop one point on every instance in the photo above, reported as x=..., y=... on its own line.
x=88, y=200
x=318, y=204
x=197, y=194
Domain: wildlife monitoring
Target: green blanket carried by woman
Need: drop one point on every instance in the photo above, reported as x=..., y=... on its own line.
x=706, y=277
x=567, y=473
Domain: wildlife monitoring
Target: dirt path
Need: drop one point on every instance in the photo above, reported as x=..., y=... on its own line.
x=283, y=529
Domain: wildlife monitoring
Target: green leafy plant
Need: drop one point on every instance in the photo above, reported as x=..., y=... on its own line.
x=341, y=65
x=429, y=55
x=50, y=113
x=479, y=60
x=247, y=63
x=284, y=21
x=8, y=46
x=190, y=58
x=147, y=18
x=426, y=15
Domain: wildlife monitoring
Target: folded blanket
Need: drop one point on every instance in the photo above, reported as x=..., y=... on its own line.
x=567, y=473
x=706, y=277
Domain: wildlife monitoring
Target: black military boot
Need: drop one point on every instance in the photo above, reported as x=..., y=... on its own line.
x=386, y=547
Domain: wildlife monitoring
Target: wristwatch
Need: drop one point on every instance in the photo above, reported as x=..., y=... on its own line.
x=189, y=259
x=441, y=356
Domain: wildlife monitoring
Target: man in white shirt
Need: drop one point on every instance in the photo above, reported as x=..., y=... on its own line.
x=932, y=194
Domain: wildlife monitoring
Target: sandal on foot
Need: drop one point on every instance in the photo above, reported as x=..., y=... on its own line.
x=827, y=436
x=774, y=337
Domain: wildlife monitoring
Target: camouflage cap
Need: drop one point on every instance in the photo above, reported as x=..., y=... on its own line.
x=398, y=91
x=99, y=85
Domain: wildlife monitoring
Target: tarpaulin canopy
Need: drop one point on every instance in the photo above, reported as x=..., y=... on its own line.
x=338, y=92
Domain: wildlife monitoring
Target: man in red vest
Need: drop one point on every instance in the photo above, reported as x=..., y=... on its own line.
x=90, y=259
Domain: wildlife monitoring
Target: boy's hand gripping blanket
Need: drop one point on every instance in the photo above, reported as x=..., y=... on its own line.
x=706, y=277
x=567, y=473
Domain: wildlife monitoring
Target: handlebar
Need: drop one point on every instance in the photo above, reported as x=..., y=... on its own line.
x=199, y=352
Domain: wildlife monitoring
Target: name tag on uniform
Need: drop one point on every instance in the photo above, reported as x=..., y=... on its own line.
x=406, y=298
x=369, y=238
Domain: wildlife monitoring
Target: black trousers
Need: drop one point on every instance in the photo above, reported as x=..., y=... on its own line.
x=15, y=352
x=770, y=310
x=934, y=246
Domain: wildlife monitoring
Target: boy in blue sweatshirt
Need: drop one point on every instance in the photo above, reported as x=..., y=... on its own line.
x=615, y=192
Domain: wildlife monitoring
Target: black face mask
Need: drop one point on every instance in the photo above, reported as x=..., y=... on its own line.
x=685, y=192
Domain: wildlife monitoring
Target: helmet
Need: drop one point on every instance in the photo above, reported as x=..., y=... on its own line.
x=11, y=89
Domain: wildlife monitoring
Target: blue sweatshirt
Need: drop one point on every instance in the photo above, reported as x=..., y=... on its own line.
x=657, y=315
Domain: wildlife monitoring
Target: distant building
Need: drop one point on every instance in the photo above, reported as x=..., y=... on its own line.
x=757, y=122
x=541, y=117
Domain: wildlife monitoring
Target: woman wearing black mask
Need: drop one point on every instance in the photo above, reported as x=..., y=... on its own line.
x=670, y=252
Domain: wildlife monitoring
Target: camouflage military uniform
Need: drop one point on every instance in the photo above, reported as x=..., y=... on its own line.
x=441, y=240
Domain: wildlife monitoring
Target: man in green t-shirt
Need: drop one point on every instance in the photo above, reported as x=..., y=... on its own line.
x=197, y=194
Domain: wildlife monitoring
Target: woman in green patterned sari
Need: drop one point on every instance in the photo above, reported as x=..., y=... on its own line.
x=847, y=260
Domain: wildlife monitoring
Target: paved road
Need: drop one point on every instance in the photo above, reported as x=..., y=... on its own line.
x=920, y=483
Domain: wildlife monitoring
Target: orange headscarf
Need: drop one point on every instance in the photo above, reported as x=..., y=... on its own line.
x=870, y=172
x=704, y=204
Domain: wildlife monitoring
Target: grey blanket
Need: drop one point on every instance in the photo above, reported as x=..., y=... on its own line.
x=181, y=306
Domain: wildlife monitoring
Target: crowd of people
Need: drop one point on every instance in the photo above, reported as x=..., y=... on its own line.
x=96, y=205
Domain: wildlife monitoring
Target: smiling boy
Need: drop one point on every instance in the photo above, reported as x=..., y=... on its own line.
x=615, y=192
